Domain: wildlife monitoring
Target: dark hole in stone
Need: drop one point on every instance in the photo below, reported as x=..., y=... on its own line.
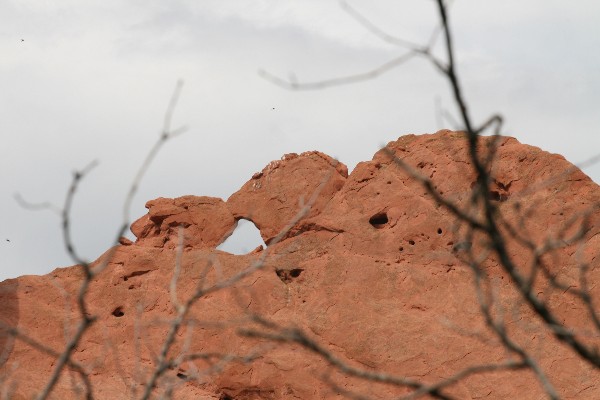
x=226, y=397
x=181, y=375
x=411, y=242
x=389, y=182
x=295, y=272
x=286, y=275
x=401, y=248
x=439, y=231
x=118, y=312
x=497, y=196
x=379, y=220
x=502, y=185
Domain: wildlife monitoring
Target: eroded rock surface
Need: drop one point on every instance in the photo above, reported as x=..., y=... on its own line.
x=206, y=222
x=273, y=197
x=375, y=273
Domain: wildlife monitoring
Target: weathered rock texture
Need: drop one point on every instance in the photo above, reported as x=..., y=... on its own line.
x=373, y=273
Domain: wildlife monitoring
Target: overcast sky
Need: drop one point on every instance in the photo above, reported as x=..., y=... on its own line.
x=85, y=80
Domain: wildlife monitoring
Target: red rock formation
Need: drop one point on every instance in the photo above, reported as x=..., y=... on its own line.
x=206, y=220
x=273, y=196
x=373, y=273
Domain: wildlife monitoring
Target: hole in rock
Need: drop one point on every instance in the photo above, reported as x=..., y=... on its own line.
x=245, y=238
x=286, y=275
x=439, y=231
x=497, y=196
x=226, y=397
x=296, y=272
x=379, y=220
x=181, y=375
x=411, y=242
x=118, y=312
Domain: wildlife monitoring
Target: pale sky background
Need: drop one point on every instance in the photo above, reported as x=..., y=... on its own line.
x=85, y=80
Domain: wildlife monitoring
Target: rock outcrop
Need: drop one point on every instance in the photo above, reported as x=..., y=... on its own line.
x=374, y=273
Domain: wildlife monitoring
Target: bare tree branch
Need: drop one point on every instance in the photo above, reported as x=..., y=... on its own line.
x=374, y=73
x=86, y=320
x=163, y=362
x=51, y=352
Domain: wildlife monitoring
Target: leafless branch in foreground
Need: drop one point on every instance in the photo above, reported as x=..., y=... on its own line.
x=295, y=335
x=481, y=215
x=86, y=319
x=163, y=362
x=483, y=218
x=12, y=331
x=412, y=50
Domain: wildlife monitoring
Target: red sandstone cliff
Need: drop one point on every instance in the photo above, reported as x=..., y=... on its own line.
x=373, y=273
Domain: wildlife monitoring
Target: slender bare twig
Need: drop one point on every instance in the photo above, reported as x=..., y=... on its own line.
x=182, y=309
x=480, y=199
x=375, y=30
x=497, y=240
x=86, y=320
x=277, y=333
x=412, y=50
x=36, y=206
x=365, y=76
x=498, y=326
x=51, y=352
x=428, y=185
x=295, y=335
x=477, y=369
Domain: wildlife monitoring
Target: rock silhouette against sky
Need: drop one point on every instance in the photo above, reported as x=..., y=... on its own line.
x=373, y=273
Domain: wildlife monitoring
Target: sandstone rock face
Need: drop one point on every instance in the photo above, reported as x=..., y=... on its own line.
x=206, y=222
x=375, y=274
x=273, y=196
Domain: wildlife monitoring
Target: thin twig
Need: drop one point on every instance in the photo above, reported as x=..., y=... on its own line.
x=86, y=320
